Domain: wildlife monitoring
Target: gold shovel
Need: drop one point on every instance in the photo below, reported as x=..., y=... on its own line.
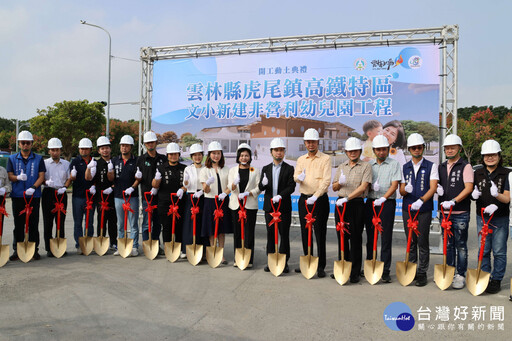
x=150, y=246
x=242, y=255
x=405, y=271
x=4, y=249
x=86, y=243
x=373, y=268
x=26, y=249
x=342, y=268
x=443, y=274
x=125, y=244
x=58, y=245
x=173, y=248
x=276, y=261
x=214, y=254
x=309, y=264
x=194, y=251
x=478, y=280
x=101, y=242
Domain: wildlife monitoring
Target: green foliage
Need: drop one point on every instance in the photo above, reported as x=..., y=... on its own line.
x=189, y=140
x=120, y=128
x=429, y=131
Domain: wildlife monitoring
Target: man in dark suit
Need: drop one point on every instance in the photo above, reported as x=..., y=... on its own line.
x=278, y=184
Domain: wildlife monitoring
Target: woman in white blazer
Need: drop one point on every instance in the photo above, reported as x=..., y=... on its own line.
x=243, y=182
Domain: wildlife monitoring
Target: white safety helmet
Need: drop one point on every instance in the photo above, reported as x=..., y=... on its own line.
x=102, y=141
x=353, y=143
x=54, y=143
x=277, y=143
x=244, y=146
x=149, y=136
x=196, y=148
x=213, y=146
x=415, y=139
x=380, y=141
x=85, y=143
x=311, y=135
x=25, y=136
x=452, y=140
x=126, y=139
x=173, y=148
x=490, y=147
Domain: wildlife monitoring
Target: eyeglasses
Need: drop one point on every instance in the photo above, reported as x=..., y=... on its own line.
x=416, y=147
x=489, y=156
x=25, y=142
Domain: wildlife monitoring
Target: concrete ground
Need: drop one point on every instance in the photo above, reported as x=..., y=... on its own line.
x=78, y=297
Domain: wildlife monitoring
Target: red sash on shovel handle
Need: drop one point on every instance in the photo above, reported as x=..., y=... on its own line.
x=242, y=216
x=412, y=224
x=276, y=219
x=126, y=208
x=3, y=212
x=27, y=210
x=88, y=208
x=446, y=224
x=341, y=227
x=217, y=214
x=483, y=233
x=149, y=209
x=104, y=207
x=59, y=208
x=309, y=221
x=377, y=224
x=194, y=211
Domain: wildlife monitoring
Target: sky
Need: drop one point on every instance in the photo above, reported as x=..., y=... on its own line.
x=48, y=56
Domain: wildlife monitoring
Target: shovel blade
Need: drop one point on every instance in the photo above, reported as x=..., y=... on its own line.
x=308, y=266
x=172, y=251
x=124, y=246
x=443, y=277
x=86, y=245
x=242, y=258
x=26, y=251
x=342, y=270
x=194, y=253
x=406, y=273
x=214, y=255
x=58, y=246
x=150, y=248
x=101, y=245
x=477, y=282
x=4, y=254
x=373, y=270
x=276, y=263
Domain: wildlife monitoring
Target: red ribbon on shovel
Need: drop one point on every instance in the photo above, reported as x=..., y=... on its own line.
x=376, y=221
x=413, y=223
x=150, y=208
x=59, y=208
x=309, y=220
x=27, y=210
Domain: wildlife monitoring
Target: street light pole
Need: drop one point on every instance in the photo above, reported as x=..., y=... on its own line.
x=107, y=130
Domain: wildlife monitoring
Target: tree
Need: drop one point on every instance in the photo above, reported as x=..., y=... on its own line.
x=8, y=124
x=184, y=135
x=473, y=132
x=189, y=140
x=70, y=121
x=169, y=136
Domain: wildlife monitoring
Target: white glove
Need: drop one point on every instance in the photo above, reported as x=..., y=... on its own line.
x=311, y=200
x=73, y=172
x=341, y=201
x=179, y=193
x=490, y=209
x=494, y=189
x=276, y=199
x=49, y=183
x=210, y=180
x=107, y=191
x=222, y=196
x=380, y=201
x=447, y=204
x=198, y=194
x=342, y=179
x=236, y=180
x=408, y=187
x=129, y=190
x=440, y=190
x=302, y=175
x=61, y=190
x=92, y=164
x=92, y=190
x=376, y=186
x=154, y=191
x=22, y=176
x=241, y=196
x=476, y=193
x=110, y=166
x=30, y=191
x=264, y=181
x=138, y=174
x=93, y=172
x=416, y=205
x=2, y=191
x=158, y=175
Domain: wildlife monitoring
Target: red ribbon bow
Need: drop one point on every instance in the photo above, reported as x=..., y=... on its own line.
x=173, y=209
x=194, y=210
x=104, y=202
x=342, y=226
x=309, y=217
x=376, y=221
x=446, y=223
x=126, y=206
x=59, y=207
x=485, y=228
x=276, y=217
x=218, y=213
x=2, y=209
x=28, y=209
x=412, y=222
x=242, y=212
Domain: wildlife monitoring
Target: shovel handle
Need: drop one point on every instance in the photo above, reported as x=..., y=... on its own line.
x=445, y=241
x=276, y=234
x=409, y=238
x=150, y=213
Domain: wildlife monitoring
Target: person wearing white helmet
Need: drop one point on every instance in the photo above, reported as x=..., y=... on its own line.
x=56, y=183
x=386, y=176
x=26, y=173
x=243, y=181
x=492, y=195
x=313, y=173
x=277, y=182
x=147, y=164
x=418, y=188
x=101, y=174
x=456, y=184
x=126, y=185
x=77, y=169
x=169, y=180
x=352, y=180
x=214, y=179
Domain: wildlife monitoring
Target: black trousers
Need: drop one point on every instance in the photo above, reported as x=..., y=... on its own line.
x=18, y=205
x=321, y=214
x=249, y=227
x=421, y=242
x=284, y=233
x=109, y=221
x=353, y=241
x=388, y=219
x=166, y=221
x=47, y=205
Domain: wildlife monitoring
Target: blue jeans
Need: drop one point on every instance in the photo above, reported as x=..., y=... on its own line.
x=155, y=223
x=133, y=220
x=79, y=214
x=457, y=245
x=497, y=241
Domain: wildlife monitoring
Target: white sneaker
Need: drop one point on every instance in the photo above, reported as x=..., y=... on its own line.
x=116, y=253
x=112, y=248
x=134, y=252
x=458, y=282
x=183, y=255
x=79, y=251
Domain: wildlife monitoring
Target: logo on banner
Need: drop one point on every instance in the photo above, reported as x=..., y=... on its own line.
x=360, y=64
x=415, y=62
x=398, y=316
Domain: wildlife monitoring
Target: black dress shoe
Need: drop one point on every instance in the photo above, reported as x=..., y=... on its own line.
x=332, y=276
x=37, y=256
x=297, y=270
x=14, y=257
x=286, y=269
x=355, y=279
x=49, y=254
x=421, y=280
x=321, y=273
x=493, y=287
x=266, y=269
x=362, y=273
x=386, y=278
